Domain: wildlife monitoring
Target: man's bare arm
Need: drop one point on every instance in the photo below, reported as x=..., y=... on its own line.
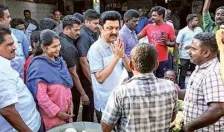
x=206, y=6
x=78, y=86
x=181, y=94
x=176, y=52
x=14, y=119
x=106, y=127
x=214, y=112
x=85, y=68
x=171, y=43
x=140, y=36
x=126, y=63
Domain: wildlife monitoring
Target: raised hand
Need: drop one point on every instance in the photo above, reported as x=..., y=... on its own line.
x=118, y=48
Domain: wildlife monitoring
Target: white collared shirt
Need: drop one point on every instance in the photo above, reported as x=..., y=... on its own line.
x=14, y=91
x=100, y=55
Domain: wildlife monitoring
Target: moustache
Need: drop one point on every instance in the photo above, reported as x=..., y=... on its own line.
x=77, y=36
x=13, y=51
x=113, y=35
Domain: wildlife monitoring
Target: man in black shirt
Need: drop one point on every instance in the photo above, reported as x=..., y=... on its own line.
x=28, y=19
x=71, y=31
x=88, y=35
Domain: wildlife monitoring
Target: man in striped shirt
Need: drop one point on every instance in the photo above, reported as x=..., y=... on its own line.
x=144, y=103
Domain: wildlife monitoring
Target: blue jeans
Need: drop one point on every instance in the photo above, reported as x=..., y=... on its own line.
x=163, y=65
x=172, y=65
x=170, y=61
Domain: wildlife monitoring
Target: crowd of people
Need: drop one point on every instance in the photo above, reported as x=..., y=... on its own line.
x=127, y=75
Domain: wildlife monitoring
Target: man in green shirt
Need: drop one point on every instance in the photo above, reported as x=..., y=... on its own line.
x=208, y=24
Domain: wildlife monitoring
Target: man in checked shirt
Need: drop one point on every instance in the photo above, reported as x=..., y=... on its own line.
x=144, y=103
x=204, y=96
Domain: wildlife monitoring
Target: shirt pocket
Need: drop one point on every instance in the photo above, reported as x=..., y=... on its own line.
x=194, y=91
x=107, y=60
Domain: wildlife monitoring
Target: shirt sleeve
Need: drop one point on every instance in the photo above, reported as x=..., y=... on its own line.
x=26, y=45
x=207, y=21
x=8, y=93
x=37, y=24
x=199, y=30
x=82, y=46
x=213, y=88
x=44, y=102
x=111, y=113
x=179, y=39
x=70, y=56
x=144, y=31
x=95, y=60
x=171, y=34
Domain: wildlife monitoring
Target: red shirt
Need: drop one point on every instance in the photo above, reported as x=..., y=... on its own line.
x=26, y=67
x=154, y=34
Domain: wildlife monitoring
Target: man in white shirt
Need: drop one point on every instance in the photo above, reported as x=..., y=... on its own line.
x=20, y=41
x=57, y=19
x=184, y=40
x=107, y=60
x=17, y=107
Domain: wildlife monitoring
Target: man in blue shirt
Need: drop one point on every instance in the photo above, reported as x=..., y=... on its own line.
x=143, y=21
x=107, y=60
x=20, y=41
x=184, y=40
x=127, y=32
